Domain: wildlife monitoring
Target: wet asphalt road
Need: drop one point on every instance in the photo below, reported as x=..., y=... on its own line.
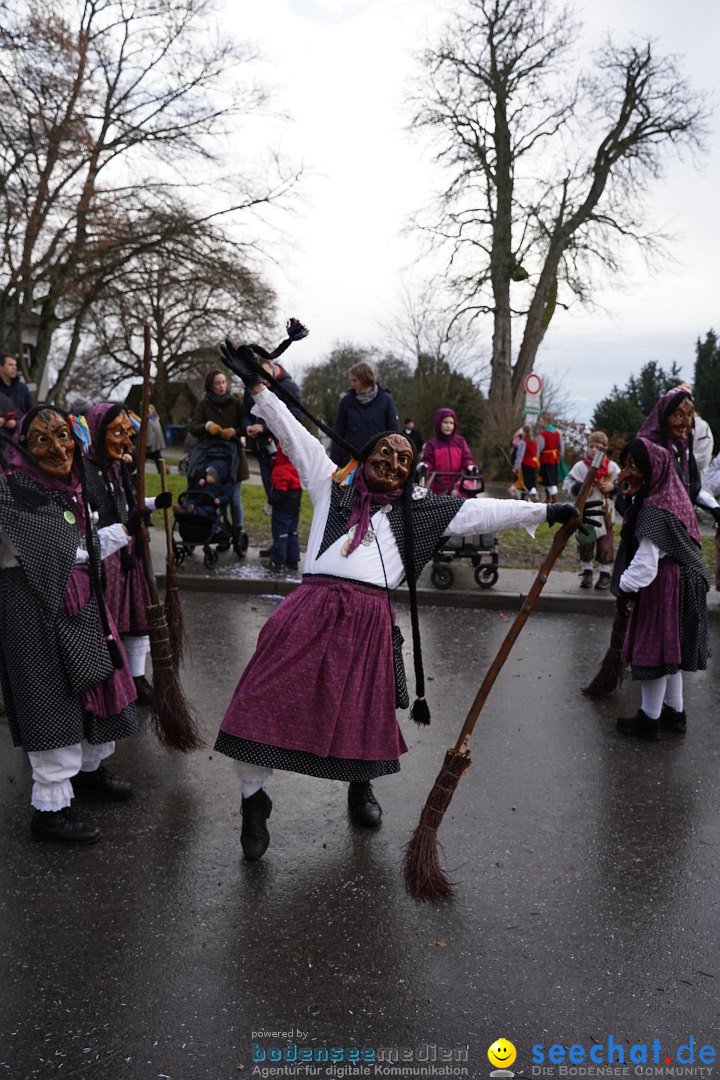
x=586, y=869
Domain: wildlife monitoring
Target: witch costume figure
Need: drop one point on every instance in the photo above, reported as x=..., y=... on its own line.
x=68, y=691
x=661, y=580
x=319, y=695
x=670, y=424
x=112, y=496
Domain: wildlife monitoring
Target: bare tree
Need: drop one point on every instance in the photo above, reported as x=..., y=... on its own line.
x=110, y=112
x=544, y=180
x=190, y=294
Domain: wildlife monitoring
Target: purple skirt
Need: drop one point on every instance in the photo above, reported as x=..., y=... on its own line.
x=321, y=679
x=126, y=592
x=107, y=698
x=653, y=634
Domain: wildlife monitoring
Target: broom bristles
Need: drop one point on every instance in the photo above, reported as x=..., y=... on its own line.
x=172, y=721
x=424, y=877
x=608, y=677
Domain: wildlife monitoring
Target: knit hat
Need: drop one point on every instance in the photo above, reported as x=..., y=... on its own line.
x=212, y=474
x=599, y=438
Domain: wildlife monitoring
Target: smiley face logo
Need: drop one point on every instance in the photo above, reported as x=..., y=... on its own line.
x=502, y=1053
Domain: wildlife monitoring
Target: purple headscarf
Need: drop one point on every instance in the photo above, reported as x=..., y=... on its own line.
x=664, y=489
x=96, y=417
x=654, y=427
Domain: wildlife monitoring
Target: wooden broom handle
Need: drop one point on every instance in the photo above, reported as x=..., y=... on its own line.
x=142, y=453
x=166, y=511
x=560, y=539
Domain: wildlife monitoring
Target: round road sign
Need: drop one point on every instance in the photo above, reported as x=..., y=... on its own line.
x=533, y=383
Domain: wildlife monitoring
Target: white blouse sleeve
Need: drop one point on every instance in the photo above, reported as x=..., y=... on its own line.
x=112, y=538
x=491, y=515
x=643, y=569
x=304, y=450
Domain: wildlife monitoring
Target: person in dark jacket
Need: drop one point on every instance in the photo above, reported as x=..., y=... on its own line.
x=254, y=427
x=366, y=410
x=217, y=421
x=285, y=497
x=13, y=386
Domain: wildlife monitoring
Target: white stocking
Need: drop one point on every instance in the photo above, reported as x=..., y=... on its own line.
x=652, y=696
x=674, y=691
x=136, y=649
x=252, y=777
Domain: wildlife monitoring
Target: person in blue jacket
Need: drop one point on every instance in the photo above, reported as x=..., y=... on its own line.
x=366, y=410
x=13, y=386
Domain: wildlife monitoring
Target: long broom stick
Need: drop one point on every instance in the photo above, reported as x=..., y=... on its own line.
x=172, y=720
x=424, y=877
x=173, y=607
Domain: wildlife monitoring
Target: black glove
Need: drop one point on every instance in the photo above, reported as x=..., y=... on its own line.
x=716, y=514
x=564, y=512
x=163, y=501
x=137, y=519
x=624, y=603
x=243, y=362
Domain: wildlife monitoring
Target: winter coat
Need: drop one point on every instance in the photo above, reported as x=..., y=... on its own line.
x=357, y=422
x=446, y=454
x=229, y=415
x=265, y=443
x=19, y=394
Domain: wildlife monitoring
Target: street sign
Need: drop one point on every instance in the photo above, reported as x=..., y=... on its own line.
x=533, y=383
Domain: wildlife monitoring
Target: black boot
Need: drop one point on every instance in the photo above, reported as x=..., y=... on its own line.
x=586, y=579
x=640, y=725
x=673, y=720
x=62, y=825
x=254, y=835
x=101, y=784
x=363, y=807
x=603, y=582
x=143, y=689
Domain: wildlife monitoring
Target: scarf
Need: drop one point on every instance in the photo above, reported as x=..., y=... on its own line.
x=366, y=396
x=219, y=400
x=360, y=516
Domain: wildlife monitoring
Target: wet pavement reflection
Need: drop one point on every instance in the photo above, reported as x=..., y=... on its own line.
x=585, y=866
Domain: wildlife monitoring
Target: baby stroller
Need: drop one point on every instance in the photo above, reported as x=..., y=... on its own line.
x=201, y=517
x=481, y=549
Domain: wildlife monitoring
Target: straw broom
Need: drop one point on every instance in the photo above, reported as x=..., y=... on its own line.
x=612, y=668
x=173, y=607
x=424, y=877
x=172, y=720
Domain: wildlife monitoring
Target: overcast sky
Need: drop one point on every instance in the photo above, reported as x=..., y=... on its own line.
x=340, y=68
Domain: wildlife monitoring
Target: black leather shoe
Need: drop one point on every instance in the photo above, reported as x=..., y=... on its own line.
x=640, y=725
x=586, y=579
x=63, y=826
x=363, y=807
x=143, y=689
x=101, y=784
x=254, y=835
x=673, y=720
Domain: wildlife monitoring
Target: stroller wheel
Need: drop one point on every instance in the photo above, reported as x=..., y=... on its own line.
x=486, y=576
x=179, y=553
x=210, y=557
x=442, y=576
x=241, y=545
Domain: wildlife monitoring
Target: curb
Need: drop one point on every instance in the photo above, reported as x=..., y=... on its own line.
x=486, y=598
